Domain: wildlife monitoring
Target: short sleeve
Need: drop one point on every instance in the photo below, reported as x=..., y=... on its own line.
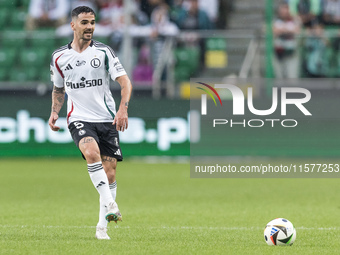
x=56, y=75
x=115, y=68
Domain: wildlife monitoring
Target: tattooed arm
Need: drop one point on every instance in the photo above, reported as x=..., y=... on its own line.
x=121, y=118
x=58, y=96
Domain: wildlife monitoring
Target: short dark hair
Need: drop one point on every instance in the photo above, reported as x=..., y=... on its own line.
x=81, y=9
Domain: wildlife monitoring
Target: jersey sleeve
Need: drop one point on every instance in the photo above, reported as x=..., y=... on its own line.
x=56, y=74
x=115, y=68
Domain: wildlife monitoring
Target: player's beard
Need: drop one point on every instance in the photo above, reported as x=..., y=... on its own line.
x=86, y=36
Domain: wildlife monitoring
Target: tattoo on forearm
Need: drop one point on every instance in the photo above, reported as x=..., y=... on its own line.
x=60, y=99
x=55, y=109
x=57, y=104
x=126, y=104
x=57, y=90
x=58, y=96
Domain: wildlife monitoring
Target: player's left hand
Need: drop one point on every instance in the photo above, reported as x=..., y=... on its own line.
x=121, y=120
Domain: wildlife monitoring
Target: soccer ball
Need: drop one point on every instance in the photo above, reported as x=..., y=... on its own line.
x=279, y=231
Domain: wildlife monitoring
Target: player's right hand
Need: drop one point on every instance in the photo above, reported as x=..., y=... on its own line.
x=51, y=122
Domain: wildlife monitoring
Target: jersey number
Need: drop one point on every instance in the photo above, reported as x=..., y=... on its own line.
x=78, y=125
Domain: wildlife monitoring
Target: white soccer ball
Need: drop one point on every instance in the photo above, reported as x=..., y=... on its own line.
x=279, y=231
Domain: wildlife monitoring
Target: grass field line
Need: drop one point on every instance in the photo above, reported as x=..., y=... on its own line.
x=163, y=227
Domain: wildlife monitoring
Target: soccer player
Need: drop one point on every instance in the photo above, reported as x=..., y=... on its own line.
x=83, y=69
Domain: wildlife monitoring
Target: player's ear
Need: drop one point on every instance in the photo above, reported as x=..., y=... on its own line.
x=72, y=25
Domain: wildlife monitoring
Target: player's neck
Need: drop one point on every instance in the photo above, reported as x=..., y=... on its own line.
x=80, y=45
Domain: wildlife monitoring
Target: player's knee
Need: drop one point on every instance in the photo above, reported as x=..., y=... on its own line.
x=91, y=156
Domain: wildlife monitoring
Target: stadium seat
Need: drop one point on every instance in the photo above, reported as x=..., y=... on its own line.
x=33, y=56
x=188, y=57
x=3, y=18
x=13, y=39
x=182, y=73
x=32, y=73
x=7, y=57
x=184, y=90
x=3, y=74
x=332, y=69
x=63, y=41
x=8, y=4
x=216, y=59
x=42, y=39
x=24, y=74
x=216, y=54
x=44, y=74
x=17, y=20
x=216, y=44
x=46, y=44
x=105, y=40
x=25, y=3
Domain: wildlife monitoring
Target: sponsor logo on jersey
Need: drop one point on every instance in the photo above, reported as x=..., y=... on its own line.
x=80, y=63
x=95, y=63
x=84, y=83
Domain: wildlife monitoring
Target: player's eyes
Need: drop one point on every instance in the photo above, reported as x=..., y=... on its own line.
x=85, y=22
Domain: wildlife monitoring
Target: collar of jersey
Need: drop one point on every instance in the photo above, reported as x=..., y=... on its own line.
x=69, y=44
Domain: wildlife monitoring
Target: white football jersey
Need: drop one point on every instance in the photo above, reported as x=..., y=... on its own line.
x=86, y=78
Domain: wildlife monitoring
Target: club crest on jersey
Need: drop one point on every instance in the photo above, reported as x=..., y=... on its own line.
x=95, y=63
x=81, y=132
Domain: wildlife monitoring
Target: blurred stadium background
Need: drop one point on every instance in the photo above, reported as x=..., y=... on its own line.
x=161, y=49
x=48, y=204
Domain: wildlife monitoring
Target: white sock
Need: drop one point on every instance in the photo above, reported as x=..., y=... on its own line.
x=102, y=208
x=100, y=181
x=113, y=189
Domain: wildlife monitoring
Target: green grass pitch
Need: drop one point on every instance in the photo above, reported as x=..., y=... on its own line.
x=49, y=206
